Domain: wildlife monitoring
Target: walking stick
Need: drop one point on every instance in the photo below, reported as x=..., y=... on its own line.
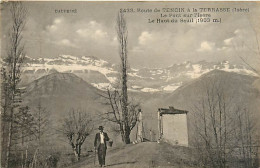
x=95, y=157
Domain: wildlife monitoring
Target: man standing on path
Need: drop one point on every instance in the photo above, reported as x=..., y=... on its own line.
x=101, y=146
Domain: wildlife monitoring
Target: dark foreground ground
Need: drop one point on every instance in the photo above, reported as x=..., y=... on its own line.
x=144, y=155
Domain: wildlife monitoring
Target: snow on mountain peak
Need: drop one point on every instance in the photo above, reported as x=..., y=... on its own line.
x=69, y=63
x=147, y=79
x=69, y=57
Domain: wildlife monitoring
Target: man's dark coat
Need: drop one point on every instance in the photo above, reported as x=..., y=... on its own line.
x=98, y=141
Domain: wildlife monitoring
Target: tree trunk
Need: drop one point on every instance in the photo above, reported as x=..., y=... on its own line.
x=22, y=163
x=34, y=161
x=4, y=141
x=127, y=139
x=127, y=135
x=77, y=151
x=10, y=133
x=26, y=156
x=4, y=123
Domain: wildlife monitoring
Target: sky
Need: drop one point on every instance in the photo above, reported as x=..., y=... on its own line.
x=92, y=32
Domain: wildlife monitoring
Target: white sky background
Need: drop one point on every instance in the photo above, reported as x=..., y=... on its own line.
x=91, y=32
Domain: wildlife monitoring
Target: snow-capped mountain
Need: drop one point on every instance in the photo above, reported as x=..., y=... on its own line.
x=103, y=74
x=68, y=63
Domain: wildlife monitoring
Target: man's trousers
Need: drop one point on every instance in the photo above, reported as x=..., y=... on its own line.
x=102, y=154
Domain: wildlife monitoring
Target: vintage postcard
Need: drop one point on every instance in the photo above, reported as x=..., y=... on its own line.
x=130, y=84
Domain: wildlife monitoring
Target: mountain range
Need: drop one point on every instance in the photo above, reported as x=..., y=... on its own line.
x=60, y=92
x=102, y=74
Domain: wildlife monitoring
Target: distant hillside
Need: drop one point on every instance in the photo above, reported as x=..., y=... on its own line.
x=59, y=92
x=238, y=88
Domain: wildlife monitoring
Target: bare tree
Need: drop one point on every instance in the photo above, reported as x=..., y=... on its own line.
x=23, y=132
x=77, y=126
x=256, y=51
x=11, y=69
x=212, y=126
x=246, y=138
x=116, y=115
x=254, y=66
x=41, y=128
x=222, y=129
x=42, y=121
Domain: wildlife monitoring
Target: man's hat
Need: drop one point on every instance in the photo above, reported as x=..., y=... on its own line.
x=100, y=127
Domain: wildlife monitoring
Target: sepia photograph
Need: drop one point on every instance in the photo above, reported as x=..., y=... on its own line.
x=127, y=84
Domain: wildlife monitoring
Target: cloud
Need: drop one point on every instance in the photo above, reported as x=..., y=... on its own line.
x=238, y=34
x=94, y=23
x=228, y=41
x=149, y=43
x=222, y=48
x=137, y=49
x=92, y=33
x=237, y=31
x=66, y=42
x=237, y=41
x=100, y=34
x=79, y=34
x=206, y=46
x=156, y=45
x=56, y=32
x=227, y=44
x=92, y=30
x=84, y=32
x=57, y=21
x=144, y=38
x=55, y=25
x=168, y=45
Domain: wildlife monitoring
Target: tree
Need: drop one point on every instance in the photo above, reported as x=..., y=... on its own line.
x=12, y=71
x=76, y=127
x=41, y=116
x=242, y=44
x=246, y=138
x=23, y=132
x=253, y=65
x=122, y=34
x=123, y=112
x=5, y=107
x=211, y=125
x=42, y=121
x=116, y=115
x=221, y=128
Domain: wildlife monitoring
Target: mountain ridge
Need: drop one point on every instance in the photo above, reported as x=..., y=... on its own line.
x=60, y=92
x=239, y=89
x=76, y=93
x=102, y=74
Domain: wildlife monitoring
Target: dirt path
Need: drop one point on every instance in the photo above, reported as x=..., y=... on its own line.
x=143, y=155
